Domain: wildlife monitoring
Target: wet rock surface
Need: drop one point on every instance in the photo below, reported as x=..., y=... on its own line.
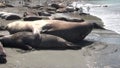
x=100, y=49
x=104, y=52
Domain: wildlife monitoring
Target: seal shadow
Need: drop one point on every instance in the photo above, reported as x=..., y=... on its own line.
x=76, y=46
x=81, y=44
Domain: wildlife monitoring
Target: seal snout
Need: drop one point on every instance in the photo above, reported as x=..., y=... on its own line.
x=97, y=26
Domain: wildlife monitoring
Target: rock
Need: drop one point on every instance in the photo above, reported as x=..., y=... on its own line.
x=104, y=5
x=44, y=14
x=55, y=6
x=50, y=9
x=32, y=18
x=51, y=12
x=61, y=10
x=1, y=13
x=10, y=16
x=30, y=13
x=68, y=19
x=83, y=14
x=35, y=7
x=70, y=9
x=9, y=5
x=2, y=5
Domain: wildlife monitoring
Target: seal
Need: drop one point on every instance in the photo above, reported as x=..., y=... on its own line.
x=72, y=32
x=32, y=18
x=28, y=40
x=17, y=26
x=10, y=16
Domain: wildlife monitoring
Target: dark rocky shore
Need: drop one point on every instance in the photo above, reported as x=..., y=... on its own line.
x=100, y=49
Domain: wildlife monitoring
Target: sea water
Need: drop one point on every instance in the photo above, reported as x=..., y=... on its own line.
x=110, y=15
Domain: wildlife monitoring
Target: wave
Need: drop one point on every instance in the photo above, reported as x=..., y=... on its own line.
x=110, y=15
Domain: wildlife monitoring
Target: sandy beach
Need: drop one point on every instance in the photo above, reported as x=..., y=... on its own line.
x=100, y=49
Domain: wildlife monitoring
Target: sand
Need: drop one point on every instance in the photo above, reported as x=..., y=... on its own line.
x=100, y=49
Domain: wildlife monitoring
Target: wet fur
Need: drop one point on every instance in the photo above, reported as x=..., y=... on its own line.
x=32, y=26
x=70, y=31
x=28, y=40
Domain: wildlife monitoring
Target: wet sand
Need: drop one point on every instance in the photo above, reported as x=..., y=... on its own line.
x=100, y=49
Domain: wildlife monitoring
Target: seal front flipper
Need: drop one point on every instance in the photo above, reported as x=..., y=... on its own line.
x=46, y=28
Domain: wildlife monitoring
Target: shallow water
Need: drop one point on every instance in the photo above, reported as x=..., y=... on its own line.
x=110, y=18
x=108, y=56
x=110, y=15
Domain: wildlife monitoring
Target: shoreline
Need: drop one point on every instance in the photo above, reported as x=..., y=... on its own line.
x=98, y=45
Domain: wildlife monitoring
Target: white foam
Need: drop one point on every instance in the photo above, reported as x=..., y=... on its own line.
x=110, y=15
x=111, y=20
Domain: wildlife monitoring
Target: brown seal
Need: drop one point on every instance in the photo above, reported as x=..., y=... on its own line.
x=73, y=32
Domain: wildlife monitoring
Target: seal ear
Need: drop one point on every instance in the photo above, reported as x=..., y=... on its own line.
x=3, y=27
